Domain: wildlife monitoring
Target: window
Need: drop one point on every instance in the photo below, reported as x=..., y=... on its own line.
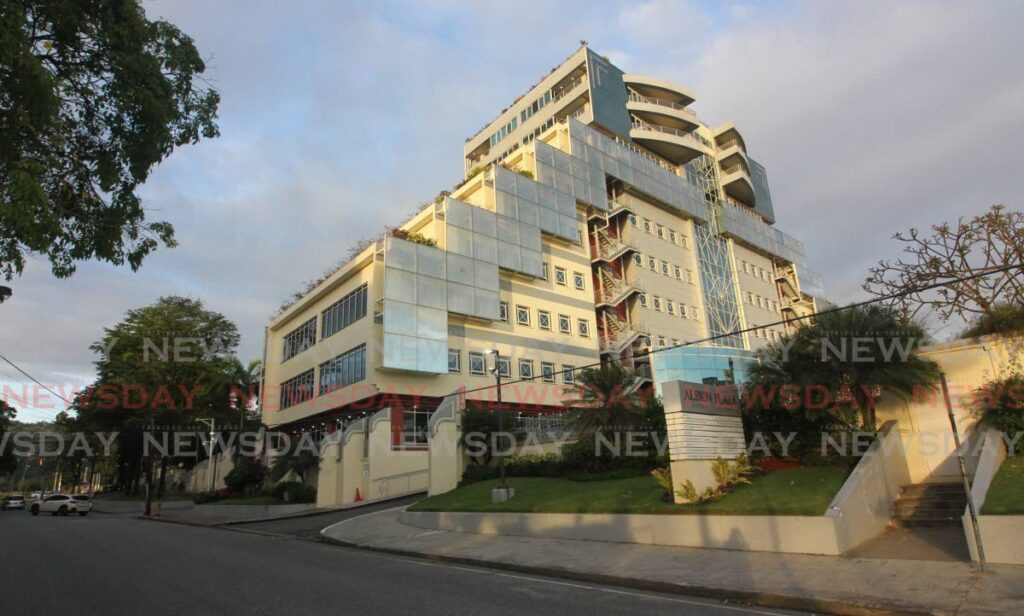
x=560, y=276
x=526, y=368
x=564, y=324
x=503, y=311
x=477, y=365
x=661, y=231
x=689, y=276
x=579, y=281
x=300, y=339
x=652, y=263
x=544, y=270
x=678, y=272
x=633, y=220
x=522, y=315
x=750, y=298
x=775, y=306
x=675, y=342
x=643, y=300
x=764, y=275
x=746, y=267
x=343, y=370
x=583, y=326
x=638, y=258
x=670, y=306
x=343, y=312
x=647, y=225
x=683, y=241
x=544, y=319
x=547, y=372
x=682, y=310
x=661, y=341
x=505, y=367
x=414, y=426
x=694, y=313
x=297, y=389
x=568, y=374
x=657, y=303
x=454, y=361
x=664, y=268
x=672, y=236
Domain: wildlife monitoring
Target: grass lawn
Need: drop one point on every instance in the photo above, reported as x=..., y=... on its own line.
x=1006, y=495
x=255, y=500
x=801, y=491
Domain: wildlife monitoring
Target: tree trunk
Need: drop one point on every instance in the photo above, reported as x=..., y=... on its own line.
x=163, y=477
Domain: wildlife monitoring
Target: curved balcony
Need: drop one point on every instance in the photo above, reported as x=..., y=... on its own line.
x=736, y=183
x=671, y=144
x=727, y=134
x=662, y=111
x=658, y=88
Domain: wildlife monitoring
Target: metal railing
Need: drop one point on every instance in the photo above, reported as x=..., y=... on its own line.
x=661, y=102
x=384, y=483
x=542, y=424
x=569, y=87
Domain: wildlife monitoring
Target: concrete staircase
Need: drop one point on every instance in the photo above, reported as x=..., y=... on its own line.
x=930, y=505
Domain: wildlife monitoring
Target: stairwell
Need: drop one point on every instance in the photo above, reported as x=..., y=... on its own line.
x=930, y=505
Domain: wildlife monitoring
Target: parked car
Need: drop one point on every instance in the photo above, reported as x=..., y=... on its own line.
x=62, y=504
x=14, y=501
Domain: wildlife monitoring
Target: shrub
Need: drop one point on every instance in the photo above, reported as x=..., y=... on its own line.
x=246, y=476
x=293, y=492
x=1001, y=404
x=1002, y=319
x=206, y=497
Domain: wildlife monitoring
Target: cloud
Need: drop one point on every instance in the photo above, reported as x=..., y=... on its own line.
x=338, y=118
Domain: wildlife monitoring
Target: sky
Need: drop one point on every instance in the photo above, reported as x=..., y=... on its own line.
x=338, y=118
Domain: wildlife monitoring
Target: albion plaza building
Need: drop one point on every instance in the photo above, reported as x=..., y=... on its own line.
x=599, y=220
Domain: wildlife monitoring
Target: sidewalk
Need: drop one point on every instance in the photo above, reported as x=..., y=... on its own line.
x=813, y=583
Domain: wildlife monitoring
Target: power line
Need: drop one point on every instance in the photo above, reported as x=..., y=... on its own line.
x=34, y=379
x=884, y=298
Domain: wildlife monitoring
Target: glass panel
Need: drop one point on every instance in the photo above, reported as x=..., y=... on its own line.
x=458, y=213
x=549, y=221
x=400, y=285
x=566, y=204
x=486, y=304
x=508, y=256
x=430, y=261
x=460, y=241
x=531, y=262
x=529, y=237
x=486, y=275
x=432, y=356
x=460, y=298
x=432, y=323
x=483, y=222
x=400, y=254
x=567, y=227
x=505, y=204
x=504, y=180
x=508, y=230
x=528, y=213
x=400, y=352
x=526, y=188
x=485, y=248
x=431, y=292
x=460, y=268
x=399, y=317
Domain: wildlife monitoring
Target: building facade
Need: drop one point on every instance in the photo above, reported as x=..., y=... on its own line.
x=600, y=220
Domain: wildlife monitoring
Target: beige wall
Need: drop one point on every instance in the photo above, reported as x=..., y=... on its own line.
x=752, y=287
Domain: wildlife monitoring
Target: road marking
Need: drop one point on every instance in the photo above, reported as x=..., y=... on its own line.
x=324, y=531
x=484, y=571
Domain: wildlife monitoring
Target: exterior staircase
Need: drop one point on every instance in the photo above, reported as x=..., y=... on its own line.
x=932, y=505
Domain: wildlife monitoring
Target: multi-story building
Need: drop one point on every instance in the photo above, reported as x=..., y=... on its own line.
x=600, y=219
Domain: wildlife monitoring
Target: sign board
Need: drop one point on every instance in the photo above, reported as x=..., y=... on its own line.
x=685, y=397
x=703, y=421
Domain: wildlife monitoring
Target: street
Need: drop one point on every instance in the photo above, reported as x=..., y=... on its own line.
x=105, y=565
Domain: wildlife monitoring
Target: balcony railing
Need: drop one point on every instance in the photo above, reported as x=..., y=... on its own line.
x=569, y=87
x=640, y=98
x=637, y=124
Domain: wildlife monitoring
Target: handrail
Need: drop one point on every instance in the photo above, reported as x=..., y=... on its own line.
x=640, y=98
x=661, y=129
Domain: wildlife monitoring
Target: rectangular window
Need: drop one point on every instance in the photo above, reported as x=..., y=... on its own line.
x=547, y=372
x=638, y=258
x=300, y=339
x=661, y=341
x=633, y=220
x=564, y=324
x=544, y=319
x=664, y=268
x=652, y=263
x=647, y=225
x=583, y=327
x=683, y=241
x=764, y=275
x=343, y=312
x=672, y=236
x=579, y=281
x=568, y=374
x=454, y=361
x=750, y=298
x=526, y=368
x=414, y=426
x=661, y=231
x=560, y=276
x=503, y=311
x=477, y=365
x=689, y=276
x=657, y=303
x=678, y=272
x=670, y=307
x=297, y=389
x=643, y=300
x=544, y=270
x=694, y=313
x=682, y=310
x=343, y=370
x=522, y=315
x=505, y=367
x=746, y=267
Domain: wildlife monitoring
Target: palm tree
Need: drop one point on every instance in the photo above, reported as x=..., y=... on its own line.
x=857, y=354
x=294, y=460
x=607, y=396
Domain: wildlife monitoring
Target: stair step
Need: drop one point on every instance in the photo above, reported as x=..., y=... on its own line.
x=930, y=522
x=931, y=489
x=931, y=503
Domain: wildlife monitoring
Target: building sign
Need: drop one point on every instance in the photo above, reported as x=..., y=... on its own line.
x=703, y=421
x=684, y=397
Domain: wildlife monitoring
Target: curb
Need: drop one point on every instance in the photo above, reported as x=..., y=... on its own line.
x=728, y=596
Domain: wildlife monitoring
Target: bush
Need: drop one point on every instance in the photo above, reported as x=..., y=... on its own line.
x=203, y=498
x=1003, y=319
x=293, y=492
x=577, y=462
x=1001, y=404
x=247, y=475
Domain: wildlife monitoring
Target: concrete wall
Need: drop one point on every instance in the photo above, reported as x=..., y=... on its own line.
x=863, y=506
x=1002, y=535
x=792, y=534
x=445, y=461
x=198, y=479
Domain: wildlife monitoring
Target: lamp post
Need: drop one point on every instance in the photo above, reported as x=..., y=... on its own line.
x=503, y=492
x=5, y=293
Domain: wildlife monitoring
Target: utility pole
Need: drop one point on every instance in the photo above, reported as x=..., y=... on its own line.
x=211, y=424
x=963, y=472
x=503, y=492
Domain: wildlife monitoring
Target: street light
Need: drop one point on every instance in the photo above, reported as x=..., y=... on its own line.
x=5, y=293
x=503, y=493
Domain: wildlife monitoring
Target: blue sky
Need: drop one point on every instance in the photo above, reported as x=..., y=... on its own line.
x=338, y=118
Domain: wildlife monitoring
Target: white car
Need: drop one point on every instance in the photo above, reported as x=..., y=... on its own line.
x=62, y=504
x=14, y=501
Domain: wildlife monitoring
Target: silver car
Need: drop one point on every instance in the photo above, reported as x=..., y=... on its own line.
x=14, y=501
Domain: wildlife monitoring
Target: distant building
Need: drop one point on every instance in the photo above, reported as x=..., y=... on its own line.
x=600, y=220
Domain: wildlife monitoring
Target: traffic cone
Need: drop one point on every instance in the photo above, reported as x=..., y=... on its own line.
x=358, y=497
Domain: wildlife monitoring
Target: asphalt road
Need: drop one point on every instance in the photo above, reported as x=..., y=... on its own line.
x=309, y=527
x=108, y=565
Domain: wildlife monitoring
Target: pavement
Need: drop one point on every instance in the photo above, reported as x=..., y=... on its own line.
x=795, y=581
x=117, y=564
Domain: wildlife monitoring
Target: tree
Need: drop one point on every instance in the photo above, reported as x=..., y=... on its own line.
x=94, y=96
x=605, y=397
x=8, y=462
x=990, y=240
x=839, y=365
x=296, y=459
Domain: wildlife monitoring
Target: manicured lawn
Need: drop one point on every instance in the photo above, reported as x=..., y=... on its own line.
x=1006, y=496
x=802, y=491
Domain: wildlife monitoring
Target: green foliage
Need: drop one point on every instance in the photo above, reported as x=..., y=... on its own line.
x=203, y=498
x=94, y=96
x=296, y=459
x=293, y=492
x=605, y=398
x=1003, y=318
x=415, y=238
x=731, y=472
x=1000, y=404
x=475, y=171
x=247, y=475
x=8, y=461
x=575, y=463
x=663, y=476
x=1006, y=495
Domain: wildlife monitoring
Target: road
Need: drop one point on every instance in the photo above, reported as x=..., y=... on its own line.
x=309, y=527
x=103, y=565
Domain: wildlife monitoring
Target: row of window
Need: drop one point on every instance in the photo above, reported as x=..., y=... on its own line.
x=544, y=319
x=341, y=371
x=662, y=304
x=763, y=302
x=536, y=106
x=504, y=131
x=666, y=268
x=663, y=232
x=334, y=318
x=579, y=279
x=756, y=271
x=767, y=334
x=478, y=367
